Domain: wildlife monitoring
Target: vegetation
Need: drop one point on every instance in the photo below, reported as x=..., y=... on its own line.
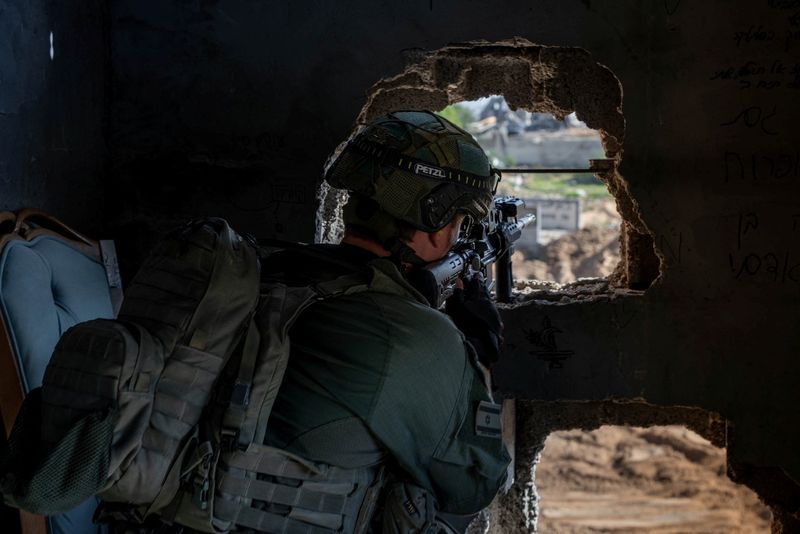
x=458, y=115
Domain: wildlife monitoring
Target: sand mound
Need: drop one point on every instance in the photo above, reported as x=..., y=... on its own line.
x=589, y=252
x=667, y=480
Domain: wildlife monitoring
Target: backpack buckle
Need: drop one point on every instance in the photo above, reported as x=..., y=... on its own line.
x=201, y=482
x=200, y=497
x=229, y=439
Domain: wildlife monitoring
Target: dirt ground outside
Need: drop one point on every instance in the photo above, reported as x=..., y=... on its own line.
x=592, y=251
x=665, y=480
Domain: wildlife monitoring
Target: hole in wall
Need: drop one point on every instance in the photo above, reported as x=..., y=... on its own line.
x=533, y=78
x=577, y=229
x=633, y=479
x=660, y=462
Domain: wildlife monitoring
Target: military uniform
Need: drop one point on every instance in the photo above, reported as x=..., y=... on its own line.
x=380, y=376
x=382, y=419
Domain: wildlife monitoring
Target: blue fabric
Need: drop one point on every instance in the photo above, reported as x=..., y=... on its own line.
x=77, y=521
x=46, y=287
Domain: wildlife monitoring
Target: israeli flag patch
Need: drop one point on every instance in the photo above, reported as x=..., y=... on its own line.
x=487, y=420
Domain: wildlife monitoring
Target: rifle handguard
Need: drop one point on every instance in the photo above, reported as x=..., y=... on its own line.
x=492, y=240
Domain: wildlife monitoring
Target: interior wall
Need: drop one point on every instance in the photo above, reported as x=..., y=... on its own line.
x=231, y=107
x=53, y=117
x=53, y=109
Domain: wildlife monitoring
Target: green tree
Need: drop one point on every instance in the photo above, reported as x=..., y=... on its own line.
x=458, y=115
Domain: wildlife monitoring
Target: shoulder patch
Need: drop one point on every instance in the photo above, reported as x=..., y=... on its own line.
x=487, y=420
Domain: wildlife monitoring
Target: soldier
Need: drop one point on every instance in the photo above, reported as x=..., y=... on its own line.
x=379, y=383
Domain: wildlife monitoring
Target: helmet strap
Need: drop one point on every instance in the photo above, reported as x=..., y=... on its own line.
x=365, y=212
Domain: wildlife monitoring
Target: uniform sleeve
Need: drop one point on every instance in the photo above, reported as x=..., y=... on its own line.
x=468, y=468
x=426, y=408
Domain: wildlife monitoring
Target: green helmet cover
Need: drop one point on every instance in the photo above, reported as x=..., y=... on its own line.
x=418, y=168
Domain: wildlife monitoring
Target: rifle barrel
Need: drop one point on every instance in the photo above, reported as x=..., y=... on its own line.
x=526, y=220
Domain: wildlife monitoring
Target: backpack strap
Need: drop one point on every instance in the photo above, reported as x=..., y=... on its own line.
x=235, y=416
x=279, y=309
x=343, y=285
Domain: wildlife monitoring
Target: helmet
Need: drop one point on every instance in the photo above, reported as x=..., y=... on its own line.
x=416, y=167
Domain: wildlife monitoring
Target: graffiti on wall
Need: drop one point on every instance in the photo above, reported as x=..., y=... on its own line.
x=545, y=346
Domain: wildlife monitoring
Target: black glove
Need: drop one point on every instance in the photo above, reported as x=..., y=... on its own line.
x=474, y=313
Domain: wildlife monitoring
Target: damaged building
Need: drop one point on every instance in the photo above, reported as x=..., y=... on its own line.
x=125, y=118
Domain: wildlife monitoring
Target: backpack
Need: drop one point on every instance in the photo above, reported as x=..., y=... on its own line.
x=164, y=410
x=232, y=469
x=119, y=397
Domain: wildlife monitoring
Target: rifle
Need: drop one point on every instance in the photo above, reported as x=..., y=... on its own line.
x=487, y=243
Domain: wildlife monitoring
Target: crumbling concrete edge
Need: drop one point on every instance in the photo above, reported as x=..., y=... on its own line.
x=537, y=78
x=517, y=511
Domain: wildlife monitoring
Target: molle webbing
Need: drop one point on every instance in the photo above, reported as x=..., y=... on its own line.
x=319, y=497
x=299, y=497
x=262, y=521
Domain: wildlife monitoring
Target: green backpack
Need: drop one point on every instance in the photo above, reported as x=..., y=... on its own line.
x=119, y=397
x=163, y=411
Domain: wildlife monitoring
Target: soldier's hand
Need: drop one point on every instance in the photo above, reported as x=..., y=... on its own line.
x=474, y=313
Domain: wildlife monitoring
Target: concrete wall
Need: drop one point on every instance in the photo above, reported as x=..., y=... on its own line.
x=231, y=107
x=53, y=110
